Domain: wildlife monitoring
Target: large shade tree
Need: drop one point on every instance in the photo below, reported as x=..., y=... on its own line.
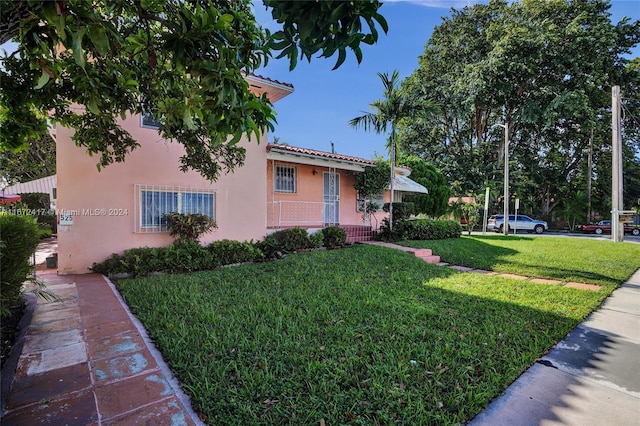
x=387, y=113
x=87, y=63
x=546, y=68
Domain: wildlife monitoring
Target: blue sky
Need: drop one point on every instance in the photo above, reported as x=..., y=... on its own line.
x=318, y=111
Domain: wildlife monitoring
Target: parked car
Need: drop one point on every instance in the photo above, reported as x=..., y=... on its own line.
x=604, y=227
x=519, y=223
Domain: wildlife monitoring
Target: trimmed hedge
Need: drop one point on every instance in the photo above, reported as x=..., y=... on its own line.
x=136, y=261
x=228, y=252
x=190, y=256
x=426, y=229
x=18, y=241
x=289, y=241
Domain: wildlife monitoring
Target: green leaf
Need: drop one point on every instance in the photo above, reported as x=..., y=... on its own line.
x=188, y=119
x=44, y=79
x=358, y=53
x=342, y=55
x=92, y=106
x=78, y=53
x=99, y=38
x=227, y=18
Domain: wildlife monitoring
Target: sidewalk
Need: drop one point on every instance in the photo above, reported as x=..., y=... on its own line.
x=87, y=361
x=592, y=377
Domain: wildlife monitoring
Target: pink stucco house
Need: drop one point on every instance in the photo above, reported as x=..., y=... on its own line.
x=121, y=207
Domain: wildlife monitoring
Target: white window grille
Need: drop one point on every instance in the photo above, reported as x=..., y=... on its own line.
x=285, y=179
x=153, y=202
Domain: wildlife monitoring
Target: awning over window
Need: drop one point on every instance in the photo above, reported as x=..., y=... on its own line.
x=404, y=184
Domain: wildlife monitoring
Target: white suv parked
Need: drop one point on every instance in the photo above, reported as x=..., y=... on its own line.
x=523, y=223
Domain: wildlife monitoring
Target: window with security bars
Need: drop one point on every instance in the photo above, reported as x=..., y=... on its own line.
x=147, y=118
x=285, y=179
x=377, y=200
x=155, y=201
x=148, y=121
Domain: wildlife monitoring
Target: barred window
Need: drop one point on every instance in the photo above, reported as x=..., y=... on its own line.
x=285, y=179
x=148, y=121
x=155, y=201
x=377, y=200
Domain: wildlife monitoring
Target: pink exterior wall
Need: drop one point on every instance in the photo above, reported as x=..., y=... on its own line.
x=240, y=197
x=306, y=207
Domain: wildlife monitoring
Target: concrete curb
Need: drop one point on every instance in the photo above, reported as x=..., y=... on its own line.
x=162, y=365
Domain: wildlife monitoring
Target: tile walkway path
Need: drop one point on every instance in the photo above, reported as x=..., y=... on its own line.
x=86, y=361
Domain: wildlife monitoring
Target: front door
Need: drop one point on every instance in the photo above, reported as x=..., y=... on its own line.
x=331, y=198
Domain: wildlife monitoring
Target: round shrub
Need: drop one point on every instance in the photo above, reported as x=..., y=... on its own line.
x=334, y=236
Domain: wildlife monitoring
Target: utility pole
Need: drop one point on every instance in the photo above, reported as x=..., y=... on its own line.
x=505, y=228
x=589, y=175
x=617, y=231
x=393, y=174
x=505, y=216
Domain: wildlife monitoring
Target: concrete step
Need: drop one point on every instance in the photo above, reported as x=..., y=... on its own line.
x=421, y=252
x=430, y=259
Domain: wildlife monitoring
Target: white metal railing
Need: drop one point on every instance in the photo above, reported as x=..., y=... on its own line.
x=292, y=213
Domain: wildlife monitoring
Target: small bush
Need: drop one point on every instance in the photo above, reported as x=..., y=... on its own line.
x=401, y=212
x=292, y=239
x=228, y=252
x=112, y=265
x=136, y=261
x=18, y=241
x=144, y=260
x=334, y=236
x=424, y=229
x=189, y=227
x=269, y=247
x=287, y=241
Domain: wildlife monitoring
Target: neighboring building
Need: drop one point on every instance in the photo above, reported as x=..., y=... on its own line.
x=122, y=206
x=45, y=185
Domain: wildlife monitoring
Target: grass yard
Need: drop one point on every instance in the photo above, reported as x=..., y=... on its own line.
x=364, y=335
x=567, y=259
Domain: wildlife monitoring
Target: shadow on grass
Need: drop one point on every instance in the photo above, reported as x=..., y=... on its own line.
x=479, y=253
x=469, y=252
x=562, y=274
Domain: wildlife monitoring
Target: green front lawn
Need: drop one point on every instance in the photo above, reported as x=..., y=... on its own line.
x=568, y=259
x=364, y=335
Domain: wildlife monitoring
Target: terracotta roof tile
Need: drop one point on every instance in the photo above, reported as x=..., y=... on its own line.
x=322, y=154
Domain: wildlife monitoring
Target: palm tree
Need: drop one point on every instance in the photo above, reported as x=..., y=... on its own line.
x=387, y=113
